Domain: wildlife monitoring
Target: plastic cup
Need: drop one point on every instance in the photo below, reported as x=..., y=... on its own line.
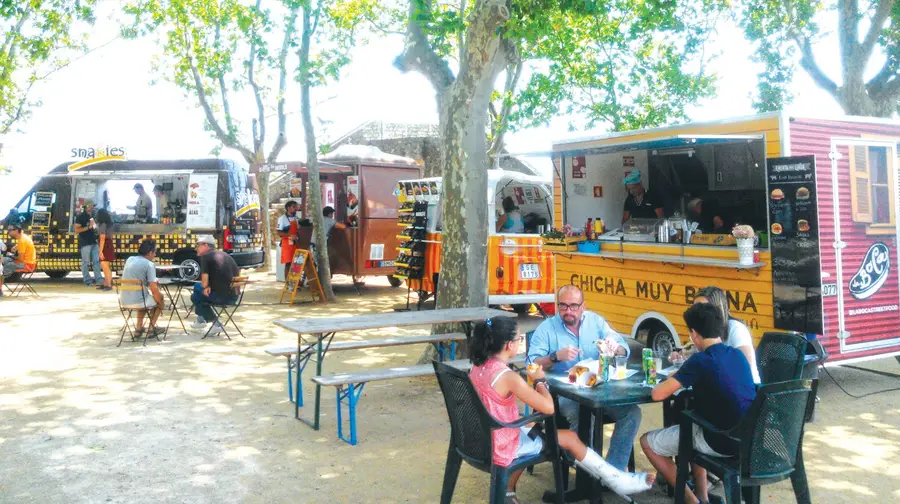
x=621, y=367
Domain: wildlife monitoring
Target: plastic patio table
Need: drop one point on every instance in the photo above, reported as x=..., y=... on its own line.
x=627, y=392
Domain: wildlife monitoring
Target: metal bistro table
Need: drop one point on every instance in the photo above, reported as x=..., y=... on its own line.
x=323, y=330
x=627, y=392
x=168, y=284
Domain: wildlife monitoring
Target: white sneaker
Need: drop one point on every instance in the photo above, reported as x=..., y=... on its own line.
x=216, y=329
x=199, y=324
x=620, y=482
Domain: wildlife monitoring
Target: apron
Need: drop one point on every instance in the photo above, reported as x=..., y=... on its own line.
x=288, y=249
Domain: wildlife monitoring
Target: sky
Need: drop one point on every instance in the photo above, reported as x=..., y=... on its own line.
x=106, y=98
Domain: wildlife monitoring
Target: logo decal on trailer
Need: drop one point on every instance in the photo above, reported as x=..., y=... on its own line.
x=872, y=273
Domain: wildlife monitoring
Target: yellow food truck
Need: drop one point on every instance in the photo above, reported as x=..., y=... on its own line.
x=519, y=272
x=820, y=193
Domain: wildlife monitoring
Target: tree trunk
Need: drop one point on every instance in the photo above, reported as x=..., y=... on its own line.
x=314, y=202
x=464, y=162
x=262, y=180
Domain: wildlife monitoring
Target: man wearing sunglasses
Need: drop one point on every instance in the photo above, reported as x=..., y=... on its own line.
x=562, y=341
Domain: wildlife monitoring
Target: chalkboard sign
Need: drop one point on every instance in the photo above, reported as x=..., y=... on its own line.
x=794, y=242
x=43, y=200
x=40, y=220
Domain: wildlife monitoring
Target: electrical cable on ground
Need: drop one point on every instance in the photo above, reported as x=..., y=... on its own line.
x=853, y=395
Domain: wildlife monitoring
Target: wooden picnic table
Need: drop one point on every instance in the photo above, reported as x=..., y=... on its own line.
x=323, y=330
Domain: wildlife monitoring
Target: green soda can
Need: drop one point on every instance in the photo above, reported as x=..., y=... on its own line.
x=603, y=370
x=646, y=355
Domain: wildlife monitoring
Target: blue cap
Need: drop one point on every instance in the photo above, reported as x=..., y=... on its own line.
x=632, y=178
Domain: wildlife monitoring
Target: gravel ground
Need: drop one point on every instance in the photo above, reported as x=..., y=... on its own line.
x=197, y=421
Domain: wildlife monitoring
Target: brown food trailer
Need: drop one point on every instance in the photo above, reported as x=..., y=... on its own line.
x=358, y=182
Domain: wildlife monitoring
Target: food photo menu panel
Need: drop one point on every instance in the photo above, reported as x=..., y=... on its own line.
x=794, y=242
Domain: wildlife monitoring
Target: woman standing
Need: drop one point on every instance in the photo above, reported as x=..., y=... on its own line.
x=107, y=251
x=737, y=334
x=511, y=221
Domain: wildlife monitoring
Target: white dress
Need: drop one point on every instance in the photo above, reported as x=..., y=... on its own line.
x=738, y=336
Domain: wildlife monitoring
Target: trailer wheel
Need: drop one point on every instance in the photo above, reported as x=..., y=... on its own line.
x=191, y=266
x=56, y=275
x=394, y=281
x=662, y=342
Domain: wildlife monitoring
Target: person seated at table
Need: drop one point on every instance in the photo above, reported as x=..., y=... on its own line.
x=571, y=336
x=23, y=256
x=736, y=333
x=141, y=267
x=217, y=270
x=494, y=342
x=723, y=391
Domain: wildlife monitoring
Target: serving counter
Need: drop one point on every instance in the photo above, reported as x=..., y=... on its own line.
x=666, y=253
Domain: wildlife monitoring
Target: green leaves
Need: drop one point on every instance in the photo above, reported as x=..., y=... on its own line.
x=627, y=64
x=38, y=37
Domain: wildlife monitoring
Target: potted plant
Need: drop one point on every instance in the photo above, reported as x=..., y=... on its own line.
x=561, y=240
x=746, y=240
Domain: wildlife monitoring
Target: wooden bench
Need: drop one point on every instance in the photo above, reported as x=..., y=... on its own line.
x=289, y=352
x=350, y=386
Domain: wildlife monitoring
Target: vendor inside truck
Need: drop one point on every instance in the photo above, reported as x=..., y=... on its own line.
x=639, y=204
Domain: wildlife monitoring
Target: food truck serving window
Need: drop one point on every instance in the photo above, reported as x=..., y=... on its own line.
x=725, y=173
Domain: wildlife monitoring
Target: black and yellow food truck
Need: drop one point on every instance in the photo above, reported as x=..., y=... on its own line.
x=196, y=196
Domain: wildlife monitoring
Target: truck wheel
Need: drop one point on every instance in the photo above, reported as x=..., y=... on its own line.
x=521, y=309
x=14, y=277
x=394, y=281
x=191, y=270
x=662, y=342
x=56, y=275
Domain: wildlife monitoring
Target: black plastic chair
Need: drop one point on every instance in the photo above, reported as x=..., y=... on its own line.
x=780, y=357
x=768, y=441
x=470, y=437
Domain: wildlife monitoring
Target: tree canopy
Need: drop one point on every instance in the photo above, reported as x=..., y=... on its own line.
x=39, y=38
x=868, y=32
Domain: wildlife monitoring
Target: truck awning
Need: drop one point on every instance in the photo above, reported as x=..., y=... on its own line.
x=661, y=144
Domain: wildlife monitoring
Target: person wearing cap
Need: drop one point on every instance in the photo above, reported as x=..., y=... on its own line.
x=144, y=205
x=708, y=215
x=217, y=270
x=150, y=301
x=639, y=204
x=162, y=200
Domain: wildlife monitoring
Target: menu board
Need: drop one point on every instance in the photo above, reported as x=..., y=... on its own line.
x=42, y=200
x=201, y=202
x=794, y=242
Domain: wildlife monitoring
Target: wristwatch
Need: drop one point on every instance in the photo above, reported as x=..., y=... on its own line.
x=554, y=358
x=539, y=381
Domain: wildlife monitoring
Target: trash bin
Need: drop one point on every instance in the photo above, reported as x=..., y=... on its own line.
x=279, y=268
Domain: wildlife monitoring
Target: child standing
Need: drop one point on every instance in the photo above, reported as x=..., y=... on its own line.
x=723, y=391
x=494, y=342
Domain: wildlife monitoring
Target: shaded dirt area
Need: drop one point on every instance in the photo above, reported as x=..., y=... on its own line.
x=209, y=421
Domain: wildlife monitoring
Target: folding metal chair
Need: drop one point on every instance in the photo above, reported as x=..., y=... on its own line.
x=127, y=310
x=238, y=284
x=23, y=283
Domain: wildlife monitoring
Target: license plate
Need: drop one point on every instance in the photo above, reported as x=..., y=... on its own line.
x=529, y=272
x=386, y=264
x=241, y=239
